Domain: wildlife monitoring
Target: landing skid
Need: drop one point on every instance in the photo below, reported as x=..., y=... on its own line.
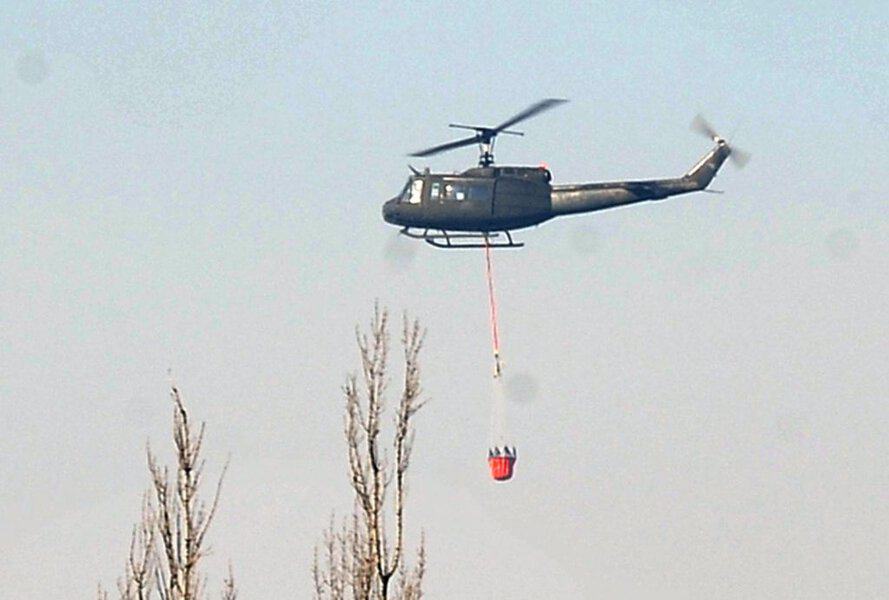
x=440, y=238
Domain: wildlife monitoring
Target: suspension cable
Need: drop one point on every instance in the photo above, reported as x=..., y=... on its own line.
x=495, y=335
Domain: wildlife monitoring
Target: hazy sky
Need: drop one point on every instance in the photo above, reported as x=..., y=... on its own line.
x=699, y=385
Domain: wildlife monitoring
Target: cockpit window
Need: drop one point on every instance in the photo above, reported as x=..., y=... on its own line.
x=413, y=191
x=445, y=190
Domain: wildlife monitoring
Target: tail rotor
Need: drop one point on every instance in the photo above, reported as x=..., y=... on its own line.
x=700, y=125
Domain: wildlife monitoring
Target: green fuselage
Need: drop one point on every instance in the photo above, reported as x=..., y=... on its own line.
x=487, y=199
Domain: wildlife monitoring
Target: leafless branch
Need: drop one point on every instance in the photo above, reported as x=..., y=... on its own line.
x=138, y=580
x=361, y=560
x=229, y=591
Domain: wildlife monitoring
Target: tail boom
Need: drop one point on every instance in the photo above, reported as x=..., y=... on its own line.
x=588, y=197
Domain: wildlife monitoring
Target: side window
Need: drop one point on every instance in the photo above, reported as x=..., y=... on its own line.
x=453, y=190
x=478, y=191
x=435, y=192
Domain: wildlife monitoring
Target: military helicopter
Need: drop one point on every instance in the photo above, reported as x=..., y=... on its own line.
x=473, y=208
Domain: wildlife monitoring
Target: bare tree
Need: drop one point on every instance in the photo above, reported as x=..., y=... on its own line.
x=364, y=559
x=183, y=518
x=169, y=542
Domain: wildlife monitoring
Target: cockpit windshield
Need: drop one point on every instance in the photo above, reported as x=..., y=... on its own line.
x=413, y=191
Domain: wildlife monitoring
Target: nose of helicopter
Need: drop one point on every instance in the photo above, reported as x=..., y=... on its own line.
x=390, y=211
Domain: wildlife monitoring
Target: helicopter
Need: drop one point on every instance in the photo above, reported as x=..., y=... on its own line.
x=473, y=208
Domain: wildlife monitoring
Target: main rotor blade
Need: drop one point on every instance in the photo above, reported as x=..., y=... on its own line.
x=529, y=112
x=449, y=146
x=469, y=127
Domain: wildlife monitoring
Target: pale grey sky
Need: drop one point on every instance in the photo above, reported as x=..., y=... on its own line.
x=700, y=384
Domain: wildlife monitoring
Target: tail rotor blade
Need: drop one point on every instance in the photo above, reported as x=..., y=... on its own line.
x=701, y=125
x=739, y=157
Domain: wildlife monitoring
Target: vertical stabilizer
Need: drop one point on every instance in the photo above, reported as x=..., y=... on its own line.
x=705, y=169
